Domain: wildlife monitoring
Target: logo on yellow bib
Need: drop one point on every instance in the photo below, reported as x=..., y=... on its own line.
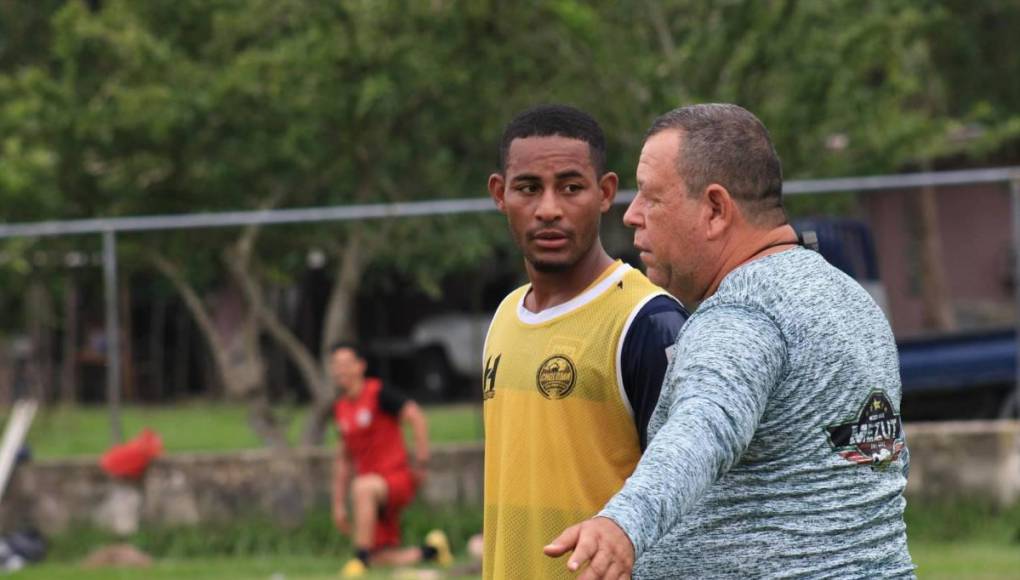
x=556, y=377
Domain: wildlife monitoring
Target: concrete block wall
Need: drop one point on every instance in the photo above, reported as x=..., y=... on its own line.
x=974, y=459
x=191, y=489
x=965, y=459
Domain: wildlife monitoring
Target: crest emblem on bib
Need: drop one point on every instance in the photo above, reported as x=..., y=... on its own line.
x=556, y=377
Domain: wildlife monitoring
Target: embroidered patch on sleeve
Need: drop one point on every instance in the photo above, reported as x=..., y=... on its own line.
x=873, y=437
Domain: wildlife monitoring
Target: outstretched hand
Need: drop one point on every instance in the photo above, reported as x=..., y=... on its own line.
x=601, y=544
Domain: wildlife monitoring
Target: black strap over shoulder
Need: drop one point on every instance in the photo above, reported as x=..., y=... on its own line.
x=808, y=239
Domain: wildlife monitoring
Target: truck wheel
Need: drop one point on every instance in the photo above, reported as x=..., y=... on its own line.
x=434, y=374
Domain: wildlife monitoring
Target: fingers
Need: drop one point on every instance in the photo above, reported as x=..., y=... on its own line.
x=600, y=564
x=587, y=546
x=598, y=543
x=614, y=572
x=603, y=566
x=563, y=543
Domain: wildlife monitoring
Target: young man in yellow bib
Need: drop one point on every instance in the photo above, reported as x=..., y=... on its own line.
x=573, y=361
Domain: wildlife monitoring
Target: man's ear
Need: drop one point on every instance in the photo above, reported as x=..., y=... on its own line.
x=608, y=184
x=497, y=190
x=719, y=210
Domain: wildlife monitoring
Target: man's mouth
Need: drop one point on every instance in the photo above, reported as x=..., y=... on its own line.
x=645, y=254
x=549, y=239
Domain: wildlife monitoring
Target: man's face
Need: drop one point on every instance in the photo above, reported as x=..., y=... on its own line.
x=348, y=370
x=666, y=220
x=553, y=199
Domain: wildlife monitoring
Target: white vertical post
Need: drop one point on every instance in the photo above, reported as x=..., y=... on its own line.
x=14, y=436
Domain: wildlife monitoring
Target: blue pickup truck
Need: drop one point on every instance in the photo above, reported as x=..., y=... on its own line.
x=955, y=376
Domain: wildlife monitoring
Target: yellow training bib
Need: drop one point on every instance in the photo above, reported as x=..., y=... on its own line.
x=560, y=437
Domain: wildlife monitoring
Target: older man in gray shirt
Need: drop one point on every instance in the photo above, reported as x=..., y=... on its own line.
x=776, y=449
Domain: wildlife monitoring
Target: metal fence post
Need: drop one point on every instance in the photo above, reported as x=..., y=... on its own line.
x=112, y=334
x=1014, y=188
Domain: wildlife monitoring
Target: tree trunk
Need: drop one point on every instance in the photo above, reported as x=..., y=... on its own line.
x=350, y=267
x=238, y=262
x=937, y=311
x=182, y=355
x=276, y=360
x=349, y=272
x=339, y=325
x=236, y=358
x=296, y=351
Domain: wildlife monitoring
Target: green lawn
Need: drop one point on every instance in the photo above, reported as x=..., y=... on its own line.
x=957, y=561
x=306, y=568
x=250, y=546
x=67, y=432
x=966, y=560
x=965, y=539
x=946, y=540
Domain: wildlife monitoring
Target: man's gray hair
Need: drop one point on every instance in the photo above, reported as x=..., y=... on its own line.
x=728, y=145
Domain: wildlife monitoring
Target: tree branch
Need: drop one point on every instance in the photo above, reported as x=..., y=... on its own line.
x=303, y=359
x=195, y=305
x=260, y=416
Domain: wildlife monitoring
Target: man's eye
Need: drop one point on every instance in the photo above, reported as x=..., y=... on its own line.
x=574, y=188
x=529, y=188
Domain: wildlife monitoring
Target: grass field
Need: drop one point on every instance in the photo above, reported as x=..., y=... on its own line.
x=971, y=540
x=947, y=541
x=247, y=549
x=303, y=568
x=69, y=432
x=966, y=560
x=966, y=541
x=306, y=568
x=957, y=561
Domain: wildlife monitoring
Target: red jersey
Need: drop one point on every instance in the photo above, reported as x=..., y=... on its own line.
x=372, y=435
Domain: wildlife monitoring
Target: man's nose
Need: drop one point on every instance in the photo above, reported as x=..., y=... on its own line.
x=632, y=218
x=548, y=206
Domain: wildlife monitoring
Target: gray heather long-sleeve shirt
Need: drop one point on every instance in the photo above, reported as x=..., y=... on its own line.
x=776, y=449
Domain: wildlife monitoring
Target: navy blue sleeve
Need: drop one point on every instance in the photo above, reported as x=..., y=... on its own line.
x=392, y=401
x=643, y=359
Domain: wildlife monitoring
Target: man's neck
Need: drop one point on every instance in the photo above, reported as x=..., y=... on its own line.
x=549, y=289
x=355, y=391
x=755, y=244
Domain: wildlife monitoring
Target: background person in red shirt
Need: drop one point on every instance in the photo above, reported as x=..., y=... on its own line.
x=371, y=466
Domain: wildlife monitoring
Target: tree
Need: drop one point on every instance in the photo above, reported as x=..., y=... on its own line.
x=195, y=105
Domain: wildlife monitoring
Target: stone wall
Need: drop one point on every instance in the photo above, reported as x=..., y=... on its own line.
x=979, y=459
x=186, y=489
x=965, y=459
